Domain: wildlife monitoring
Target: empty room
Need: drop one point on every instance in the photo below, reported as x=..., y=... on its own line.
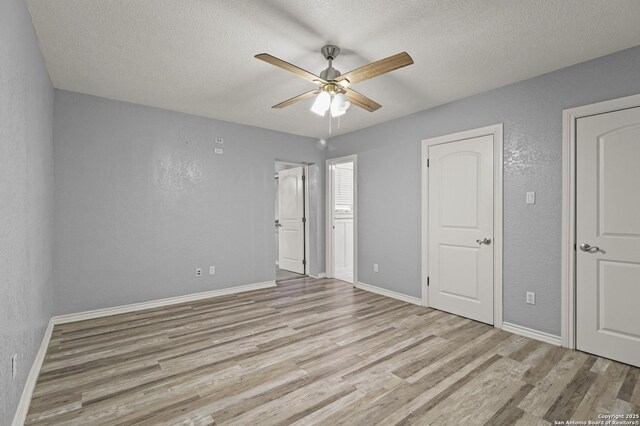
x=279, y=212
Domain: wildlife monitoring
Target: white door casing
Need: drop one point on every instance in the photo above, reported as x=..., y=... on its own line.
x=291, y=237
x=461, y=223
x=608, y=235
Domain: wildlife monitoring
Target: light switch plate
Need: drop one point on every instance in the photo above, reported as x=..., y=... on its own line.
x=531, y=197
x=375, y=267
x=212, y=270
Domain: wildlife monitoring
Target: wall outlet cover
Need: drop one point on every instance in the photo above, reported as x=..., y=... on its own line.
x=219, y=140
x=531, y=298
x=219, y=151
x=198, y=272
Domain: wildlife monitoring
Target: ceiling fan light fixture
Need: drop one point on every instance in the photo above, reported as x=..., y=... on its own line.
x=321, y=104
x=341, y=102
x=339, y=105
x=333, y=83
x=335, y=111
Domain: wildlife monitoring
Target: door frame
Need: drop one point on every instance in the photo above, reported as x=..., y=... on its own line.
x=568, y=255
x=305, y=170
x=496, y=131
x=329, y=214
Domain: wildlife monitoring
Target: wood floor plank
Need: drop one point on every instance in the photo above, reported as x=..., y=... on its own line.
x=547, y=391
x=629, y=384
x=426, y=408
x=570, y=398
x=617, y=373
x=315, y=351
x=509, y=413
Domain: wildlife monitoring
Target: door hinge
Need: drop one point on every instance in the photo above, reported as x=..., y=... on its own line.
x=427, y=281
x=427, y=162
x=575, y=246
x=304, y=220
x=304, y=261
x=303, y=177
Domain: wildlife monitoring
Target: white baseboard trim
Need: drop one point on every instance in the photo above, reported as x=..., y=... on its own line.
x=98, y=313
x=388, y=293
x=320, y=276
x=25, y=399
x=552, y=339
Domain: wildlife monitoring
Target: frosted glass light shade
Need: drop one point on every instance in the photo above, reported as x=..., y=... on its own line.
x=322, y=103
x=335, y=109
x=341, y=101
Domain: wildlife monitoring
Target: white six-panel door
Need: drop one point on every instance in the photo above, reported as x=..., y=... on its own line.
x=461, y=221
x=608, y=235
x=291, y=211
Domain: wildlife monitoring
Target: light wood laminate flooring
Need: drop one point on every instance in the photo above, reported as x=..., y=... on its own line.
x=316, y=352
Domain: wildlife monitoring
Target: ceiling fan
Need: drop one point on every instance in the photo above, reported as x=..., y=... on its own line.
x=333, y=91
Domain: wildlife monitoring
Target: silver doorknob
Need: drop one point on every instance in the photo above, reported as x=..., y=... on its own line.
x=589, y=249
x=485, y=240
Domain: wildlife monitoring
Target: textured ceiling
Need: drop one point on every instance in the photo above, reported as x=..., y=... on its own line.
x=196, y=56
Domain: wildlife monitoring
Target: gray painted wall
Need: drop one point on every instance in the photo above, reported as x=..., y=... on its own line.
x=389, y=180
x=26, y=199
x=137, y=209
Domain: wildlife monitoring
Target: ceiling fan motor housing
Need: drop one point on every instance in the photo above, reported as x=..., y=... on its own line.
x=330, y=52
x=330, y=74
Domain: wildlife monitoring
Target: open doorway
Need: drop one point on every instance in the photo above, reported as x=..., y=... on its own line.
x=341, y=217
x=291, y=224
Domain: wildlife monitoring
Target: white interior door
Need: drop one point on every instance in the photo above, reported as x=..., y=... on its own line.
x=291, y=211
x=608, y=235
x=343, y=206
x=461, y=221
x=343, y=250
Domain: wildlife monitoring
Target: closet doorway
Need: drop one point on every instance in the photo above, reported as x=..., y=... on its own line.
x=291, y=223
x=342, y=218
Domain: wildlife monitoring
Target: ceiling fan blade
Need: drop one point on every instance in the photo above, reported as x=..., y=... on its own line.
x=291, y=68
x=362, y=101
x=377, y=68
x=295, y=99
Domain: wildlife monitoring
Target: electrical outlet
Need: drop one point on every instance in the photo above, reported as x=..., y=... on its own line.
x=375, y=267
x=219, y=140
x=212, y=270
x=198, y=272
x=14, y=366
x=531, y=298
x=219, y=151
x=531, y=198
